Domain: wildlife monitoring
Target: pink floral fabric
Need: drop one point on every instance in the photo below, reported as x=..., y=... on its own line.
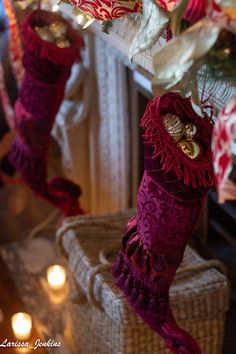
x=196, y=9
x=107, y=9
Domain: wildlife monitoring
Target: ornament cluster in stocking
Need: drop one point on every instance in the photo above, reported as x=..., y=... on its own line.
x=178, y=173
x=47, y=67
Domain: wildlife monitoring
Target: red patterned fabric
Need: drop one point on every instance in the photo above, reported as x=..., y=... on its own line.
x=222, y=142
x=107, y=9
x=168, y=208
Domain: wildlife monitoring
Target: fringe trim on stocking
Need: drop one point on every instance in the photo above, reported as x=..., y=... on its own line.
x=194, y=172
x=151, y=302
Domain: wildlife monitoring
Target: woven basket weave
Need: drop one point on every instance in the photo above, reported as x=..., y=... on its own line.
x=103, y=322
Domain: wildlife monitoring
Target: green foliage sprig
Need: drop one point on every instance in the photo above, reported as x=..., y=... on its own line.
x=221, y=60
x=106, y=26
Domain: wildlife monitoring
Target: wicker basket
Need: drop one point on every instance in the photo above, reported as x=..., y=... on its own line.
x=103, y=322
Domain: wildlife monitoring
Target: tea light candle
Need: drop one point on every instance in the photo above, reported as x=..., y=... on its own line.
x=21, y=324
x=56, y=277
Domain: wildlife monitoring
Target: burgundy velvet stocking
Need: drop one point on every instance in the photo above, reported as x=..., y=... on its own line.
x=47, y=68
x=170, y=197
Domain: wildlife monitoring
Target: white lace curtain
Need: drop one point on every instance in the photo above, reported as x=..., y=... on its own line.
x=92, y=128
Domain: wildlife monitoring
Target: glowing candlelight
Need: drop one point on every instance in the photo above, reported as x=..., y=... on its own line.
x=21, y=324
x=56, y=277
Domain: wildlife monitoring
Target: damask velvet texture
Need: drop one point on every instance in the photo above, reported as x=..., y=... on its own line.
x=170, y=198
x=47, y=69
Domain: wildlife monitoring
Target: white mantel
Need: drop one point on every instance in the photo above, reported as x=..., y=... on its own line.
x=106, y=60
x=120, y=37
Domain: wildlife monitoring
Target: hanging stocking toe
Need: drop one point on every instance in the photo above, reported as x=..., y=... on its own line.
x=178, y=173
x=51, y=47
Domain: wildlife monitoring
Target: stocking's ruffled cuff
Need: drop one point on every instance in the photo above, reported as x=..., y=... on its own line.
x=196, y=173
x=46, y=50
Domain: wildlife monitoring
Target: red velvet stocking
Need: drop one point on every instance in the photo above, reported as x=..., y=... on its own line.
x=170, y=197
x=47, y=68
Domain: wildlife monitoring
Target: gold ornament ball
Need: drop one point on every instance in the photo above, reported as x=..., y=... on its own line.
x=44, y=33
x=190, y=130
x=191, y=148
x=63, y=43
x=58, y=29
x=174, y=126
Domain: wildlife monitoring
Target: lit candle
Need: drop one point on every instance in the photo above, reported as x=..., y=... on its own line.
x=21, y=324
x=56, y=276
